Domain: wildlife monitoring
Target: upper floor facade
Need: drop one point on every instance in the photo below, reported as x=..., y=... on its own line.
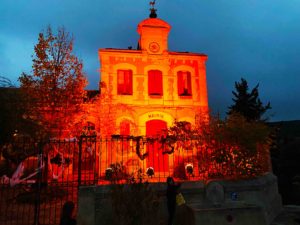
x=151, y=75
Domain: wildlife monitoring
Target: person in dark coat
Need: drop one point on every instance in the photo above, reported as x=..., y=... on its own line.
x=172, y=191
x=67, y=214
x=184, y=214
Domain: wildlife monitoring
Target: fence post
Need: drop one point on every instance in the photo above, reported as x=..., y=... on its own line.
x=38, y=181
x=94, y=138
x=79, y=160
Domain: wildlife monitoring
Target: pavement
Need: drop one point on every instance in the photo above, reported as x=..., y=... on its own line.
x=290, y=215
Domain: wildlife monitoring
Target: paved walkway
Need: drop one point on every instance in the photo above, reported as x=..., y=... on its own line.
x=289, y=216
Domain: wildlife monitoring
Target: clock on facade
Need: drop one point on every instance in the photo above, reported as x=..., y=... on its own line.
x=154, y=47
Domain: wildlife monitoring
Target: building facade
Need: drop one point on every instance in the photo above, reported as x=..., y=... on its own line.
x=157, y=86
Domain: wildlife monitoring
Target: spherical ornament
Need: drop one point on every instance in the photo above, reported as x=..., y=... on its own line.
x=189, y=168
x=108, y=173
x=150, y=171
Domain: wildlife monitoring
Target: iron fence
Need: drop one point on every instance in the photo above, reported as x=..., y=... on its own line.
x=36, y=179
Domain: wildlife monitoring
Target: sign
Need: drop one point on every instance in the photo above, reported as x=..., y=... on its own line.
x=155, y=116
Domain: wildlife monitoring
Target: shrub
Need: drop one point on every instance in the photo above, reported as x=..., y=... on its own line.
x=134, y=204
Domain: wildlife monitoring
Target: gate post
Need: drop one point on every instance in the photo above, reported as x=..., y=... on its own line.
x=39, y=181
x=79, y=160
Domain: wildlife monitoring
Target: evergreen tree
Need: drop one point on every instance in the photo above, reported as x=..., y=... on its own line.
x=247, y=103
x=56, y=87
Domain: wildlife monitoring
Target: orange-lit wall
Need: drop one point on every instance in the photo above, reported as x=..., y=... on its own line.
x=154, y=55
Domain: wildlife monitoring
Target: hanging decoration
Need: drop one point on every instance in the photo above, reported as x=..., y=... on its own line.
x=138, y=150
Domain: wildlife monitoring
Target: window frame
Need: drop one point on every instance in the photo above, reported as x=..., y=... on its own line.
x=126, y=87
x=184, y=85
x=155, y=83
x=125, y=128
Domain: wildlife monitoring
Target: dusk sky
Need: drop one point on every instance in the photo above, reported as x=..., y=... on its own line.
x=255, y=39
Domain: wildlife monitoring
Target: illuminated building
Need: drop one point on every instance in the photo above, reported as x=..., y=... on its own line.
x=158, y=85
x=143, y=91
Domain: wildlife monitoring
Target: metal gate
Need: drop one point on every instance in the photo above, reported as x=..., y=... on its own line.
x=34, y=189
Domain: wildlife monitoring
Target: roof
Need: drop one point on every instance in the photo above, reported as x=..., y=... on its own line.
x=153, y=22
x=135, y=51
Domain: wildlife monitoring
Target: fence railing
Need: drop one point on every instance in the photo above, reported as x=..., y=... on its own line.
x=121, y=158
x=37, y=179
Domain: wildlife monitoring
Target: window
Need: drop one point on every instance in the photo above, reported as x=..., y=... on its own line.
x=155, y=85
x=124, y=132
x=125, y=128
x=184, y=83
x=124, y=82
x=89, y=129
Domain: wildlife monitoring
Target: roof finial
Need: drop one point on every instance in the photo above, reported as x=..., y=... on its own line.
x=152, y=10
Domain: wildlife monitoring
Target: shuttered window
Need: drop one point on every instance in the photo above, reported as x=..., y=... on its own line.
x=124, y=132
x=125, y=128
x=184, y=83
x=124, y=82
x=155, y=85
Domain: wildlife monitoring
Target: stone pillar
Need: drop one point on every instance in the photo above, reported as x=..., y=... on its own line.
x=86, y=206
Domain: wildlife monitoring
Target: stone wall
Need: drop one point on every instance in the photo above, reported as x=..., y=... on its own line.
x=215, y=202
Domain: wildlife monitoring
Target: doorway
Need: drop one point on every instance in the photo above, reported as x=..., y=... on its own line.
x=156, y=158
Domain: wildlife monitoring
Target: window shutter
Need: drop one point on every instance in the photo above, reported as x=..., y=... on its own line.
x=155, y=86
x=151, y=82
x=157, y=82
x=124, y=128
x=189, y=83
x=129, y=82
x=184, y=83
x=180, y=83
x=124, y=82
x=120, y=81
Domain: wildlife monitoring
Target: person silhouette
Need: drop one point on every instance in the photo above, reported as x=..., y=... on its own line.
x=67, y=214
x=172, y=191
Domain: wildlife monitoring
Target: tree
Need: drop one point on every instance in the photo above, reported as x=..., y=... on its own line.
x=247, y=103
x=12, y=110
x=104, y=112
x=56, y=87
x=15, y=129
x=230, y=148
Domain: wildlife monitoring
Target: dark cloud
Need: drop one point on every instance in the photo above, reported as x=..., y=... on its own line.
x=254, y=39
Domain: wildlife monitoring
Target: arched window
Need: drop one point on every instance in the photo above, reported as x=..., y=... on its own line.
x=155, y=85
x=184, y=83
x=125, y=128
x=89, y=128
x=124, y=132
x=124, y=82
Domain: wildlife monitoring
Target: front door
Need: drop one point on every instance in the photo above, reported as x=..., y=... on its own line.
x=155, y=159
